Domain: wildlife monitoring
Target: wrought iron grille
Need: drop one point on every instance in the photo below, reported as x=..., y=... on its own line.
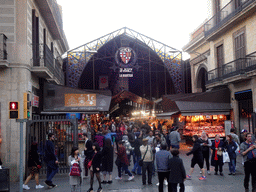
x=3, y=47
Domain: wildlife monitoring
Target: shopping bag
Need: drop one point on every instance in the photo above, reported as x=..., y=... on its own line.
x=75, y=170
x=237, y=151
x=225, y=157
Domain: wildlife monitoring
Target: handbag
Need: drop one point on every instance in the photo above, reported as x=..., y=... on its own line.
x=90, y=162
x=226, y=158
x=141, y=160
x=219, y=152
x=38, y=166
x=75, y=170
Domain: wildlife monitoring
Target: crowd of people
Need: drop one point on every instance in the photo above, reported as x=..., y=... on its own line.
x=139, y=150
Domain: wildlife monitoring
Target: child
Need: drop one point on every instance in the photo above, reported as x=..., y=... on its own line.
x=177, y=173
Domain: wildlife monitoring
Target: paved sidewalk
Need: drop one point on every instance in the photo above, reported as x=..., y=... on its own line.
x=216, y=183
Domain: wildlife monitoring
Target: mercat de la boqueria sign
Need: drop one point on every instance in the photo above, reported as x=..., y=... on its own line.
x=66, y=99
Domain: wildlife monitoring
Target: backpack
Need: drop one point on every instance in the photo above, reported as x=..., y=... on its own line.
x=75, y=170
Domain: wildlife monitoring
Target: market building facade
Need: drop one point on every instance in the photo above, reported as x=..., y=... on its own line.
x=223, y=55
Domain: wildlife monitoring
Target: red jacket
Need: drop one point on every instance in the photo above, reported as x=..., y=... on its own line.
x=121, y=153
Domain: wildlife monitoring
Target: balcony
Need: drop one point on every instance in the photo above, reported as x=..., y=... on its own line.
x=3, y=51
x=58, y=73
x=42, y=61
x=229, y=15
x=236, y=70
x=50, y=10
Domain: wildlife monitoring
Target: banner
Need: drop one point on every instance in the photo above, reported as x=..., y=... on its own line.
x=103, y=82
x=75, y=100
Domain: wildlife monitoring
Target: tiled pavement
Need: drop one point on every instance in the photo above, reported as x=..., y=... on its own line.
x=224, y=183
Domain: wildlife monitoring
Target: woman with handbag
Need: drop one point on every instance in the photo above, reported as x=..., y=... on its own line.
x=146, y=161
x=231, y=149
x=74, y=161
x=217, y=158
x=94, y=166
x=34, y=165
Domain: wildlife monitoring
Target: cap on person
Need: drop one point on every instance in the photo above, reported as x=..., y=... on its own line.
x=244, y=131
x=145, y=139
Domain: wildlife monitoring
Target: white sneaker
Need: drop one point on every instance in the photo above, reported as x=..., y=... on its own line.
x=200, y=172
x=26, y=187
x=130, y=178
x=118, y=178
x=209, y=173
x=165, y=182
x=39, y=186
x=157, y=184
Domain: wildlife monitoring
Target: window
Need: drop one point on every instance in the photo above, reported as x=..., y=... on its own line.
x=220, y=59
x=239, y=41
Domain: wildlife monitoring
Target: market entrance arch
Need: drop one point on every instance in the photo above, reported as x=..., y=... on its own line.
x=149, y=68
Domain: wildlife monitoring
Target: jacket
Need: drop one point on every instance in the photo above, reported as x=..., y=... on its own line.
x=177, y=170
x=174, y=138
x=88, y=153
x=220, y=158
x=107, y=159
x=137, y=144
x=208, y=144
x=49, y=152
x=149, y=154
x=231, y=148
x=196, y=151
x=121, y=154
x=243, y=147
x=162, y=160
x=96, y=162
x=33, y=159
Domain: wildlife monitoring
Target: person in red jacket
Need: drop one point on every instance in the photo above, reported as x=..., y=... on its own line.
x=122, y=156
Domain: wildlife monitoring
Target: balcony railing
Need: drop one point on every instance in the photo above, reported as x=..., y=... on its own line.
x=58, y=73
x=42, y=57
x=233, y=68
x=3, y=47
x=225, y=14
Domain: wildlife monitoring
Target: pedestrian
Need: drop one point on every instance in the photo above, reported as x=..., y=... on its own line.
x=174, y=138
x=99, y=138
x=157, y=142
x=234, y=136
x=217, y=158
x=150, y=138
x=162, y=163
x=231, y=147
x=51, y=160
x=119, y=136
x=138, y=142
x=197, y=158
x=127, y=147
x=206, y=144
x=147, y=157
x=88, y=152
x=95, y=166
x=107, y=161
x=34, y=166
x=246, y=149
x=166, y=136
x=123, y=162
x=177, y=171
x=74, y=181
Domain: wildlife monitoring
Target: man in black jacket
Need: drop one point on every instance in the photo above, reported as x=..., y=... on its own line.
x=50, y=160
x=88, y=152
x=197, y=157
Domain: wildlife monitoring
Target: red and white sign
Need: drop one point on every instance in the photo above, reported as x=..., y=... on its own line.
x=103, y=84
x=35, y=101
x=126, y=54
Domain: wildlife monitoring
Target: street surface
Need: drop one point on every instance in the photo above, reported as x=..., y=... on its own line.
x=213, y=182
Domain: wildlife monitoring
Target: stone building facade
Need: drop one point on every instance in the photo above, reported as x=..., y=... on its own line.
x=31, y=45
x=223, y=54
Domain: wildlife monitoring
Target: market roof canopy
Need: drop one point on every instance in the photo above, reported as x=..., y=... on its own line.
x=61, y=99
x=216, y=101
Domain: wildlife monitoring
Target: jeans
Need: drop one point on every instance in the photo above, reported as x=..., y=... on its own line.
x=174, y=187
x=250, y=169
x=136, y=165
x=232, y=165
x=175, y=146
x=147, y=166
x=161, y=177
x=125, y=168
x=51, y=172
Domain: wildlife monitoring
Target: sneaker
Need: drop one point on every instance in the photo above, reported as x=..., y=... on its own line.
x=221, y=174
x=230, y=174
x=52, y=185
x=104, y=182
x=89, y=190
x=157, y=184
x=47, y=183
x=39, y=186
x=215, y=173
x=165, y=182
x=109, y=182
x=188, y=177
x=208, y=172
x=130, y=178
x=118, y=178
x=234, y=173
x=202, y=178
x=99, y=189
x=26, y=187
x=200, y=172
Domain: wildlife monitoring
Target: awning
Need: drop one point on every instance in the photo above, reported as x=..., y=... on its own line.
x=165, y=115
x=214, y=102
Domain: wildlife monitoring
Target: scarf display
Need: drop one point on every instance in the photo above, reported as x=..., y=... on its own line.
x=216, y=146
